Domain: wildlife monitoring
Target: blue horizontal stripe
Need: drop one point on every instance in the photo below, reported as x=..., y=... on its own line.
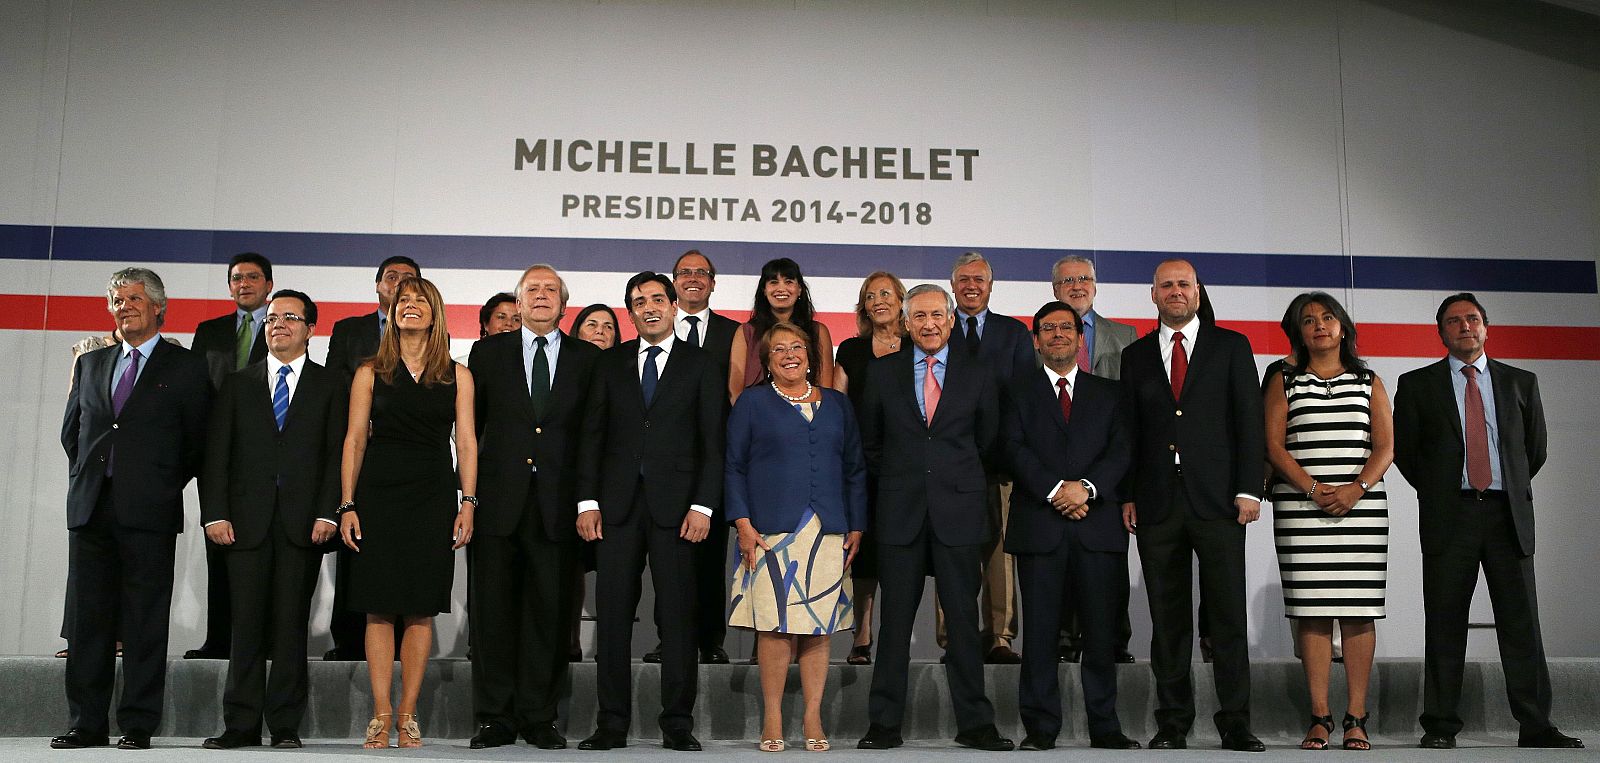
x=1301, y=271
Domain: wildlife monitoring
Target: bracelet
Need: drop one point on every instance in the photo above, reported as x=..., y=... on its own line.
x=472, y=499
x=1312, y=493
x=344, y=507
x=1364, y=486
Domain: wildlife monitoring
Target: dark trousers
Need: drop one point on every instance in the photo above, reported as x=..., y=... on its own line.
x=957, y=574
x=711, y=576
x=1072, y=632
x=121, y=577
x=219, y=612
x=347, y=627
x=1484, y=536
x=1069, y=573
x=1166, y=548
x=520, y=622
x=620, y=561
x=272, y=586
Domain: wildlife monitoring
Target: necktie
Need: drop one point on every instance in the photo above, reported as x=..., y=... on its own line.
x=539, y=385
x=693, y=337
x=242, y=342
x=930, y=390
x=972, y=334
x=647, y=380
x=1065, y=397
x=1479, y=474
x=280, y=396
x=1180, y=364
x=124, y=390
x=1083, y=357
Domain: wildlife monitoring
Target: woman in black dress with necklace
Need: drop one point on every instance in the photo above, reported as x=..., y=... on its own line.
x=399, y=509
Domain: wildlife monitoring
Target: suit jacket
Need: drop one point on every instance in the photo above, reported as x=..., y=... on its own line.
x=675, y=443
x=1043, y=448
x=779, y=464
x=215, y=340
x=159, y=436
x=719, y=340
x=932, y=474
x=353, y=341
x=512, y=441
x=257, y=477
x=1006, y=346
x=1430, y=449
x=1110, y=337
x=1217, y=426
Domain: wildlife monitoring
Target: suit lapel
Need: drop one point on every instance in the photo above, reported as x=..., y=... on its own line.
x=675, y=367
x=562, y=387
x=907, y=389
x=1206, y=359
x=1446, y=394
x=955, y=374
x=1048, y=397
x=1505, y=401
x=159, y=356
x=513, y=363
x=260, y=391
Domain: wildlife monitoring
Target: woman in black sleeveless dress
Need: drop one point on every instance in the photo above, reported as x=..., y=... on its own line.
x=400, y=512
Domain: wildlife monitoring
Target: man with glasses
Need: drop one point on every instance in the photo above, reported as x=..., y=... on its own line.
x=1099, y=353
x=228, y=343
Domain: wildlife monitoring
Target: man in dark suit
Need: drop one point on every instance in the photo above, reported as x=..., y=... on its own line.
x=649, y=484
x=229, y=343
x=267, y=499
x=532, y=392
x=1099, y=353
x=352, y=342
x=929, y=424
x=1470, y=436
x=1068, y=447
x=694, y=279
x=134, y=433
x=1003, y=346
x=1194, y=407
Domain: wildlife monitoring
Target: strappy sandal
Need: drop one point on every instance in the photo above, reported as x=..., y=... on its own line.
x=860, y=655
x=771, y=745
x=1318, y=743
x=817, y=745
x=377, y=732
x=410, y=735
x=1352, y=723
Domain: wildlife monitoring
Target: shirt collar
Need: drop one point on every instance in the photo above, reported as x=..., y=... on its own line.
x=666, y=345
x=295, y=366
x=1071, y=377
x=552, y=340
x=1189, y=330
x=1482, y=363
x=703, y=315
x=258, y=315
x=144, y=349
x=1088, y=320
x=943, y=354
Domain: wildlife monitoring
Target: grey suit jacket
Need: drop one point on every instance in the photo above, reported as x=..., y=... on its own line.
x=1109, y=339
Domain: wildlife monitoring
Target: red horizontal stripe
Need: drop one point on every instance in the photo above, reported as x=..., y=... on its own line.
x=1384, y=340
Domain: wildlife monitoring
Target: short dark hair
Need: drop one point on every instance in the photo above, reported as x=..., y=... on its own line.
x=485, y=312
x=643, y=278
x=398, y=259
x=1348, y=356
x=311, y=307
x=1465, y=296
x=254, y=259
x=598, y=307
x=709, y=263
x=1057, y=306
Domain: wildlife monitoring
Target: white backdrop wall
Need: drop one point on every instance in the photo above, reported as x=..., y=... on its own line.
x=1337, y=144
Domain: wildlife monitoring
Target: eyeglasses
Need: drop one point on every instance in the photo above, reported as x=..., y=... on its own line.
x=250, y=276
x=274, y=319
x=784, y=349
x=1074, y=279
x=1050, y=328
x=693, y=273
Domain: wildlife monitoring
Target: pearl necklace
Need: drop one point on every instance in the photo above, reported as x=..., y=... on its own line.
x=793, y=399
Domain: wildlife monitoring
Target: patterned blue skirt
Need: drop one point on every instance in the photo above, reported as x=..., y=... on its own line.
x=799, y=587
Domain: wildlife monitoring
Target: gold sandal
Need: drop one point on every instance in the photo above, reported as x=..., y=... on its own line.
x=817, y=745
x=410, y=734
x=771, y=745
x=377, y=732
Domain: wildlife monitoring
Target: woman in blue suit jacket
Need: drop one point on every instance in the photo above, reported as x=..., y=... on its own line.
x=796, y=492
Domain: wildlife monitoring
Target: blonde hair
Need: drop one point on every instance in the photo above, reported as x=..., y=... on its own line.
x=863, y=319
x=437, y=366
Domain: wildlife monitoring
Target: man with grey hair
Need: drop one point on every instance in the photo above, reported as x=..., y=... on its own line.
x=1005, y=347
x=134, y=433
x=929, y=424
x=1100, y=353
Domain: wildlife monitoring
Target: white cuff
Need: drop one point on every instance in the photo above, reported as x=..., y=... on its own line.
x=588, y=506
x=1094, y=492
x=1247, y=495
x=1055, y=490
x=697, y=507
x=213, y=522
x=329, y=521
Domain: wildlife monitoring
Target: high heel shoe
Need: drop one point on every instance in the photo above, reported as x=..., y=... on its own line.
x=771, y=745
x=1325, y=722
x=1352, y=723
x=860, y=654
x=817, y=745
x=410, y=735
x=377, y=732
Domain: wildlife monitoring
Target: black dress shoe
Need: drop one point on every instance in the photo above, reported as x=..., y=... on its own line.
x=206, y=653
x=137, y=739
x=880, y=738
x=1071, y=654
x=233, y=740
x=1550, y=738
x=1169, y=740
x=602, y=739
x=1438, y=742
x=984, y=738
x=654, y=655
x=1115, y=740
x=1242, y=741
x=286, y=740
x=682, y=741
x=714, y=656
x=491, y=735
x=1002, y=655
x=77, y=739
x=1124, y=657
x=545, y=737
x=341, y=655
x=1038, y=742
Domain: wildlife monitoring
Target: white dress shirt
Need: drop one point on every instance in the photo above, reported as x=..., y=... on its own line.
x=681, y=325
x=1072, y=392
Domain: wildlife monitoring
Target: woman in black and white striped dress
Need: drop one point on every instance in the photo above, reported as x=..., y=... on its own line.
x=1330, y=439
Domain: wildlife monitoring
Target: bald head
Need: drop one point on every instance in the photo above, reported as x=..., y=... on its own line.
x=1175, y=290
